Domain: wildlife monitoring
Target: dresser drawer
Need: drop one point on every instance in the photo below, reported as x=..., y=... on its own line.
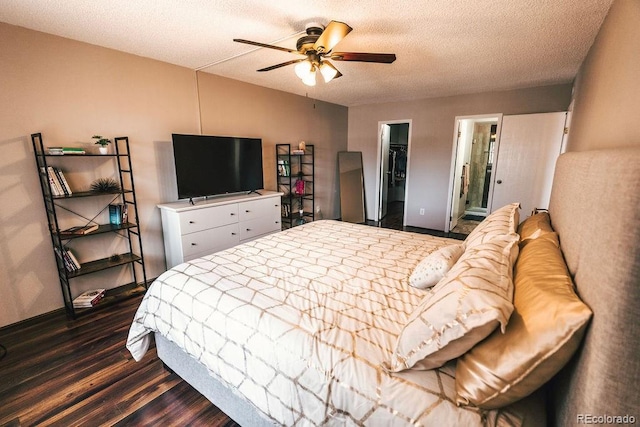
x=209, y=241
x=259, y=226
x=202, y=219
x=259, y=208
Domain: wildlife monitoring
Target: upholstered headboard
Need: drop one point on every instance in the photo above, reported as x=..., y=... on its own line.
x=595, y=208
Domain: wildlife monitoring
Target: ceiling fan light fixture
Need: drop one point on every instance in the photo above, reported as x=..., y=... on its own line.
x=328, y=71
x=303, y=69
x=310, y=80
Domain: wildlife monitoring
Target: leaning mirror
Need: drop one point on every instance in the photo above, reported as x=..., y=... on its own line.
x=352, y=208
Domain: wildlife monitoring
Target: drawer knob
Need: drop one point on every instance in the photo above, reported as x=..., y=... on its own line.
x=233, y=234
x=247, y=211
x=194, y=244
x=190, y=222
x=248, y=229
x=232, y=214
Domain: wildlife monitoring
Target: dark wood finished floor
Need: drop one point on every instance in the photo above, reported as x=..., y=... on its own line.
x=395, y=217
x=79, y=373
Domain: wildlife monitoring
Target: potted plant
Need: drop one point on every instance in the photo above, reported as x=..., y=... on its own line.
x=102, y=142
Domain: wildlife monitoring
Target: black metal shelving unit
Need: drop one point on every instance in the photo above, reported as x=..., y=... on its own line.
x=296, y=208
x=132, y=258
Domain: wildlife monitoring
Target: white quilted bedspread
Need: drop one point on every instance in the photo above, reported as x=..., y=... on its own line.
x=302, y=322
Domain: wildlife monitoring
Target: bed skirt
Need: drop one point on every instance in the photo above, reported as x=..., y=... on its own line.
x=194, y=373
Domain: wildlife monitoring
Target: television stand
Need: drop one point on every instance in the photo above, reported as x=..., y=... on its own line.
x=191, y=231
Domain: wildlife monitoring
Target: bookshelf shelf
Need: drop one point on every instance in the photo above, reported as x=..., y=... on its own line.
x=104, y=228
x=296, y=208
x=104, y=263
x=77, y=194
x=113, y=296
x=58, y=208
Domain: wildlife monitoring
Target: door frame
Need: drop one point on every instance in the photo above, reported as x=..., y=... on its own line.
x=453, y=176
x=379, y=165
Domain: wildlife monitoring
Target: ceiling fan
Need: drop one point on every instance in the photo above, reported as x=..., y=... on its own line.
x=317, y=47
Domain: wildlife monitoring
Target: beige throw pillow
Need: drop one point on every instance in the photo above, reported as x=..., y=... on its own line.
x=434, y=267
x=472, y=299
x=544, y=331
x=499, y=223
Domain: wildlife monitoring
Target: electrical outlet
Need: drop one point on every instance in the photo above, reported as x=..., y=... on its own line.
x=421, y=211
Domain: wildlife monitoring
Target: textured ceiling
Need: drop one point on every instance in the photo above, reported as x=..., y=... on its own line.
x=443, y=47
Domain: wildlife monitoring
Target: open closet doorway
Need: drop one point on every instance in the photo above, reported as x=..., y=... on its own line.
x=476, y=140
x=393, y=161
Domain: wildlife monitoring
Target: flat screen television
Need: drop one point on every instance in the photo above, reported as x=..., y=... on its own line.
x=214, y=165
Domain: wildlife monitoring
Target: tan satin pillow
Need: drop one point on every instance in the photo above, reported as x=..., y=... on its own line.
x=544, y=331
x=534, y=227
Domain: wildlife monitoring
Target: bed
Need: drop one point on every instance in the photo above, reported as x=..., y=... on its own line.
x=333, y=323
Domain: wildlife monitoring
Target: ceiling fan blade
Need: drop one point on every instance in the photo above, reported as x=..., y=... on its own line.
x=284, y=64
x=383, y=58
x=270, y=46
x=331, y=36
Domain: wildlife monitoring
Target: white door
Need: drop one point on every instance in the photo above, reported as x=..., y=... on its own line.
x=529, y=147
x=459, y=159
x=462, y=149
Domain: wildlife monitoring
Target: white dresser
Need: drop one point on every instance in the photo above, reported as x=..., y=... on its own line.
x=191, y=231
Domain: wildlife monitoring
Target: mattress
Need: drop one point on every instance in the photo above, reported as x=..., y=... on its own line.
x=302, y=324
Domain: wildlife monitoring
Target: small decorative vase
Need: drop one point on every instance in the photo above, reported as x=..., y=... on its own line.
x=103, y=149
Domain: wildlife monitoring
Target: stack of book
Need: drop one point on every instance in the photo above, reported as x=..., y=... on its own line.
x=283, y=168
x=57, y=182
x=70, y=261
x=59, y=151
x=79, y=230
x=88, y=299
x=118, y=214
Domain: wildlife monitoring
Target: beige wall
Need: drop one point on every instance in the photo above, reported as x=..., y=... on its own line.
x=432, y=140
x=234, y=108
x=70, y=90
x=607, y=88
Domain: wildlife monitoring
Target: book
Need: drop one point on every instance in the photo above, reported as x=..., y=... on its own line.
x=58, y=173
x=73, y=260
x=49, y=178
x=283, y=168
x=57, y=182
x=115, y=214
x=70, y=262
x=57, y=151
x=56, y=189
x=88, y=298
x=80, y=229
x=124, y=214
x=63, y=181
x=63, y=258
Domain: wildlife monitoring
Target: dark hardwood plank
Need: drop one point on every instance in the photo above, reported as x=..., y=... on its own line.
x=65, y=372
